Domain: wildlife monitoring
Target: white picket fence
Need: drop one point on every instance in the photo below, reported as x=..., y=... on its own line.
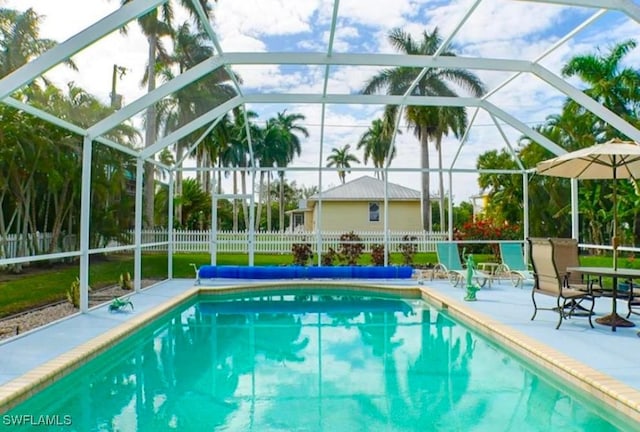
x=281, y=242
x=235, y=242
x=34, y=244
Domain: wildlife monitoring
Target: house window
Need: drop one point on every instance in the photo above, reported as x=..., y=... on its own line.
x=374, y=212
x=298, y=220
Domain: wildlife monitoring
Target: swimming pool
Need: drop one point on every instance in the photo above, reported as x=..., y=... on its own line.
x=330, y=361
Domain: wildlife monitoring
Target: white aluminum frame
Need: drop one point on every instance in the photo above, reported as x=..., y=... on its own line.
x=227, y=60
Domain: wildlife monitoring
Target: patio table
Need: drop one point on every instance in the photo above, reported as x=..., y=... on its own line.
x=613, y=319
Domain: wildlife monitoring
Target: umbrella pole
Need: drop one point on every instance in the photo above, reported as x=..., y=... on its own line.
x=614, y=240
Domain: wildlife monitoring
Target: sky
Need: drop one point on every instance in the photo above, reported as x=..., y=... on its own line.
x=506, y=29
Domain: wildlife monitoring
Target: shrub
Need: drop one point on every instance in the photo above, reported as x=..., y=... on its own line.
x=407, y=249
x=302, y=253
x=125, y=281
x=486, y=229
x=329, y=258
x=351, y=247
x=377, y=254
x=73, y=293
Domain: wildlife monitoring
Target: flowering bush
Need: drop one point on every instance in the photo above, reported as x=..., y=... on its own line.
x=302, y=253
x=408, y=250
x=486, y=229
x=351, y=247
x=377, y=254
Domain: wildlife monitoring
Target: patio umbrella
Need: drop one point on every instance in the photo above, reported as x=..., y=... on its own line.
x=615, y=159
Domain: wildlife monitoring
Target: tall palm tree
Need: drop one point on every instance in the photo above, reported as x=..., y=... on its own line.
x=377, y=145
x=190, y=48
x=240, y=145
x=20, y=40
x=452, y=119
x=270, y=151
x=434, y=82
x=614, y=85
x=609, y=82
x=266, y=151
x=156, y=24
x=290, y=148
x=341, y=158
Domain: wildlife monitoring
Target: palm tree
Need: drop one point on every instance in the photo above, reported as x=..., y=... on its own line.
x=452, y=119
x=341, y=158
x=425, y=121
x=155, y=25
x=290, y=148
x=240, y=145
x=377, y=145
x=266, y=151
x=614, y=86
x=191, y=102
x=505, y=190
x=20, y=40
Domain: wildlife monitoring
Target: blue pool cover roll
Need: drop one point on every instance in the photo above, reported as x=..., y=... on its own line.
x=301, y=272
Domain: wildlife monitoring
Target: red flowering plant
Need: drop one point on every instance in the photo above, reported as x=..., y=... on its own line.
x=486, y=229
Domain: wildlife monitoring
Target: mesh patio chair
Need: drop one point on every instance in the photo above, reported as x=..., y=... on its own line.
x=551, y=279
x=513, y=264
x=450, y=264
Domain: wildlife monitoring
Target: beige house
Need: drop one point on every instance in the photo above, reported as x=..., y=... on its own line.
x=358, y=205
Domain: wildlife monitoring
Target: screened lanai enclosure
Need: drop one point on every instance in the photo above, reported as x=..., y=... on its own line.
x=130, y=116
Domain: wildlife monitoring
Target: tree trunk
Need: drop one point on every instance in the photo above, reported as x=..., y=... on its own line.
x=269, y=201
x=426, y=196
x=235, y=201
x=259, y=209
x=62, y=205
x=281, y=202
x=636, y=228
x=245, y=212
x=150, y=138
x=178, y=187
x=441, y=182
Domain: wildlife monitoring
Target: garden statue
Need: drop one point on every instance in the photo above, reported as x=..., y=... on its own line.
x=119, y=304
x=195, y=268
x=471, y=288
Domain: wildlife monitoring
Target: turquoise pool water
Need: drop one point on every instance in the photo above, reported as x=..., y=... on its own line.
x=313, y=362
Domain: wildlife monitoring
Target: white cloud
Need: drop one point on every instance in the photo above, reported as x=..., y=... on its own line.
x=265, y=17
x=378, y=14
x=497, y=29
x=497, y=20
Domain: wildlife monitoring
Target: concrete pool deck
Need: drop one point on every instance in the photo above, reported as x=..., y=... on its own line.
x=599, y=356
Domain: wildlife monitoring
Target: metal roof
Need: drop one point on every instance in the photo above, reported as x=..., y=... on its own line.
x=367, y=188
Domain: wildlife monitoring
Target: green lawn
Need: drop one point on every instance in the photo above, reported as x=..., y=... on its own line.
x=37, y=287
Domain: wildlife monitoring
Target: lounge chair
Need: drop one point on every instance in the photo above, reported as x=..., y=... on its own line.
x=550, y=280
x=513, y=264
x=450, y=265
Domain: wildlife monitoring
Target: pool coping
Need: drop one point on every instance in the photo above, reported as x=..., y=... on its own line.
x=603, y=387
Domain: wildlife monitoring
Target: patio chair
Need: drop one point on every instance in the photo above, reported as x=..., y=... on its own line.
x=566, y=254
x=633, y=299
x=449, y=264
x=513, y=264
x=550, y=280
